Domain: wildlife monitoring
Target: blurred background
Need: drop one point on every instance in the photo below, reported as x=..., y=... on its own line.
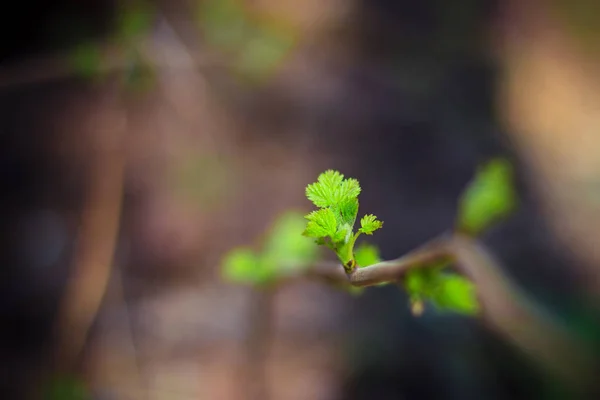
x=140, y=141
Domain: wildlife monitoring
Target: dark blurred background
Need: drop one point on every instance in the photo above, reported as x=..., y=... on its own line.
x=141, y=141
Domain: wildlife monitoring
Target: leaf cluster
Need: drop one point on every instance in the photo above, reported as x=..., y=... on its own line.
x=290, y=247
x=333, y=223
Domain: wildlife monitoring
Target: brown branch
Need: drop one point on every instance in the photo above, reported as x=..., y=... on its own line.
x=505, y=308
x=97, y=235
x=113, y=60
x=386, y=271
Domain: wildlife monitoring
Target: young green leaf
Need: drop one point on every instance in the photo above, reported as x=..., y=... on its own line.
x=346, y=211
x=321, y=223
x=489, y=197
x=326, y=191
x=369, y=224
x=349, y=190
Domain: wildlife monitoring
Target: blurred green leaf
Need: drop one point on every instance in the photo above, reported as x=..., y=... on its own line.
x=134, y=20
x=66, y=388
x=86, y=60
x=263, y=52
x=224, y=23
x=447, y=291
x=366, y=254
x=242, y=265
x=258, y=45
x=489, y=197
x=285, y=251
x=455, y=293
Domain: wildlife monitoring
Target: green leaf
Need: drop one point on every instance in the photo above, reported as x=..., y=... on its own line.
x=366, y=254
x=349, y=190
x=447, y=291
x=489, y=197
x=341, y=235
x=321, y=223
x=347, y=209
x=456, y=293
x=286, y=249
x=242, y=265
x=324, y=192
x=369, y=224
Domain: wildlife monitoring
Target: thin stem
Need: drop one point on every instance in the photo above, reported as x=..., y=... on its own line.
x=385, y=271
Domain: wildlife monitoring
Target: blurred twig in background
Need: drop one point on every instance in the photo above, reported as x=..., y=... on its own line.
x=505, y=308
x=98, y=230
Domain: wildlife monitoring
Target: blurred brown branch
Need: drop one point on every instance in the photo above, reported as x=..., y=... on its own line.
x=506, y=309
x=113, y=60
x=97, y=234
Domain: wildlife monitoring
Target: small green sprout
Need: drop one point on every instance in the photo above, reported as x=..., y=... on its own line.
x=333, y=223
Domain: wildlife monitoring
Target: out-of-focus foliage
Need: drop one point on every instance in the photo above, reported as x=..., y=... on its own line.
x=134, y=21
x=66, y=388
x=256, y=45
x=446, y=291
x=580, y=17
x=285, y=251
x=366, y=254
x=86, y=60
x=489, y=198
x=224, y=23
x=203, y=178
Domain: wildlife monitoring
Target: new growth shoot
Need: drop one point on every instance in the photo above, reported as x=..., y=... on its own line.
x=332, y=224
